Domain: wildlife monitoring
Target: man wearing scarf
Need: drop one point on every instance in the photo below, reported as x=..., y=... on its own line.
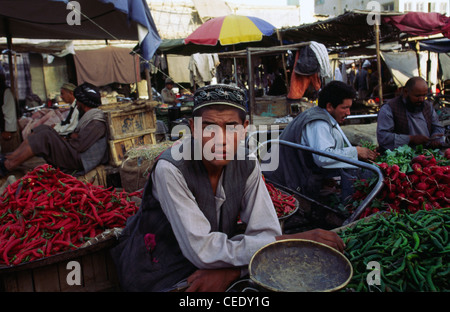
x=82, y=151
x=409, y=119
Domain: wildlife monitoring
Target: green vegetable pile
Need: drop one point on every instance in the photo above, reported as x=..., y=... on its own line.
x=402, y=156
x=413, y=251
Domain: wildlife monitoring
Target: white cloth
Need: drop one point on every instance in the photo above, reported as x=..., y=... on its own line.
x=9, y=111
x=70, y=127
x=320, y=136
x=322, y=57
x=203, y=68
x=206, y=249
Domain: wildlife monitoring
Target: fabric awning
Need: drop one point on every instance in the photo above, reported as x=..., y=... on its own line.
x=421, y=24
x=106, y=65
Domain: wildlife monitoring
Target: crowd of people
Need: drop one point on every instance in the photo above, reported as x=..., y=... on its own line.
x=76, y=145
x=190, y=206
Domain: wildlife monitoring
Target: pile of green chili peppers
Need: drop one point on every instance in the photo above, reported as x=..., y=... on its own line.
x=412, y=250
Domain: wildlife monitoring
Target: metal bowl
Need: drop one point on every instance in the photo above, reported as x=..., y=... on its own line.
x=296, y=204
x=299, y=265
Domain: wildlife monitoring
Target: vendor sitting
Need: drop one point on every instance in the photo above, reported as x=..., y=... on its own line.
x=167, y=94
x=83, y=150
x=186, y=226
x=69, y=124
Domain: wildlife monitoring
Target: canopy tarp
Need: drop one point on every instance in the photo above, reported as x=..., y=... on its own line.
x=349, y=30
x=421, y=23
x=441, y=45
x=99, y=19
x=107, y=65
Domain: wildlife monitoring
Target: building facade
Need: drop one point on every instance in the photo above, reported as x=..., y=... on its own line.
x=338, y=7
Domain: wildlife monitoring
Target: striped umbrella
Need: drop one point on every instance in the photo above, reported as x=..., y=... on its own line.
x=229, y=30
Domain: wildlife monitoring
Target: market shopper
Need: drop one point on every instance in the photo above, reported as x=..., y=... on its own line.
x=185, y=229
x=69, y=124
x=167, y=94
x=362, y=81
x=8, y=115
x=82, y=151
x=318, y=128
x=409, y=119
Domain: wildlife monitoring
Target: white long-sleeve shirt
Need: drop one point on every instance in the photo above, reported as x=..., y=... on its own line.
x=9, y=111
x=206, y=249
x=320, y=136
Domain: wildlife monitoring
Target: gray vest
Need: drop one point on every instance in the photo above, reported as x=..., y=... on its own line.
x=296, y=169
x=138, y=270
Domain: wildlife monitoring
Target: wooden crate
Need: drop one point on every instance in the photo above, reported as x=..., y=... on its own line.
x=119, y=148
x=97, y=272
x=130, y=119
x=271, y=106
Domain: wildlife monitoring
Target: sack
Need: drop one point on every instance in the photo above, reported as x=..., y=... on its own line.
x=307, y=63
x=134, y=173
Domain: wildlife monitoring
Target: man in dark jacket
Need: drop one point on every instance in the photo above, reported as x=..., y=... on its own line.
x=409, y=119
x=85, y=148
x=319, y=129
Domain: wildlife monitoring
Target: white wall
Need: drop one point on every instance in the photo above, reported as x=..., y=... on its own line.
x=337, y=7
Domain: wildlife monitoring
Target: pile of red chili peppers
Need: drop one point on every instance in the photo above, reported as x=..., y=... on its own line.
x=284, y=203
x=47, y=212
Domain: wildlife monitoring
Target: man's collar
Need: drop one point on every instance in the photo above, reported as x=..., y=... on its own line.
x=333, y=121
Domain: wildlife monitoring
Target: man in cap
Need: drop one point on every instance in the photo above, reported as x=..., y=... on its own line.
x=69, y=124
x=167, y=94
x=409, y=119
x=82, y=151
x=186, y=228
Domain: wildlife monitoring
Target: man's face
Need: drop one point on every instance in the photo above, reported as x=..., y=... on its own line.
x=67, y=96
x=417, y=95
x=341, y=111
x=222, y=131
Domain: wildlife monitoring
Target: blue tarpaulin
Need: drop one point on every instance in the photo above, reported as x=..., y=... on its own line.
x=434, y=45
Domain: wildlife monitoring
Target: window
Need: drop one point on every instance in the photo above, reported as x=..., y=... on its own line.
x=388, y=6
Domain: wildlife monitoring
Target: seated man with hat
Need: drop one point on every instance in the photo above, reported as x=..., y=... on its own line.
x=167, y=94
x=82, y=151
x=185, y=231
x=69, y=124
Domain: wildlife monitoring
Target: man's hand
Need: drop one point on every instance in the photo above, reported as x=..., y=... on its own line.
x=322, y=236
x=6, y=135
x=217, y=280
x=73, y=135
x=365, y=153
x=418, y=139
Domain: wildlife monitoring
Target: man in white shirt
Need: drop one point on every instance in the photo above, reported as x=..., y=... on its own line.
x=8, y=115
x=319, y=128
x=69, y=124
x=167, y=94
x=185, y=228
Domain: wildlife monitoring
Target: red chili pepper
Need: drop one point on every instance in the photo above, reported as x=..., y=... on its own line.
x=12, y=242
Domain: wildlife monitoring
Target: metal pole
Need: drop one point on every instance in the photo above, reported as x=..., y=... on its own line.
x=149, y=84
x=11, y=67
x=380, y=76
x=376, y=189
x=251, y=87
